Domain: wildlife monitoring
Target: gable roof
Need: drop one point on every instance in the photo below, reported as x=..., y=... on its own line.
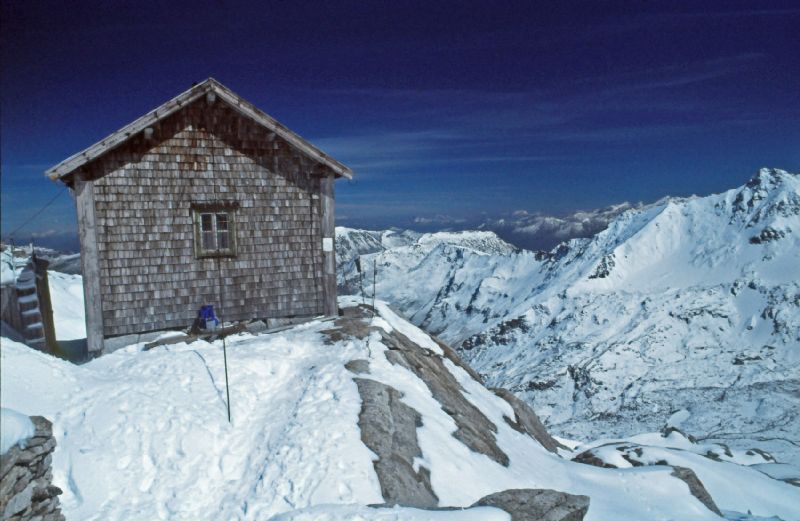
x=210, y=85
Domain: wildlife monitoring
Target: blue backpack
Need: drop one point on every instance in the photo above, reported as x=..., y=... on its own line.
x=206, y=317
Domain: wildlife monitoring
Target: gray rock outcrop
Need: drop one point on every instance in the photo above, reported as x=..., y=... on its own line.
x=538, y=505
x=527, y=422
x=696, y=487
x=389, y=429
x=474, y=429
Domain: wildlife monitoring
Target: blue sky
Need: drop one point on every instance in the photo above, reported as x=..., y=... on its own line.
x=464, y=109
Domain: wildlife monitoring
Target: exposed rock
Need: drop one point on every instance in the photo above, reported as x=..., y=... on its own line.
x=359, y=366
x=767, y=234
x=666, y=431
x=604, y=268
x=256, y=326
x=764, y=454
x=527, y=422
x=474, y=429
x=589, y=458
x=389, y=429
x=696, y=487
x=501, y=334
x=348, y=325
x=538, y=505
x=451, y=355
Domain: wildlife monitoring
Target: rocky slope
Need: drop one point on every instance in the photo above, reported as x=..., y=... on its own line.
x=689, y=305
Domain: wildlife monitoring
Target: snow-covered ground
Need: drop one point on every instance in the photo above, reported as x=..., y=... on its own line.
x=145, y=435
x=66, y=296
x=686, y=304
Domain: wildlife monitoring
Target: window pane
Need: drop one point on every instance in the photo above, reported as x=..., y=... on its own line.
x=208, y=241
x=206, y=223
x=222, y=221
x=222, y=240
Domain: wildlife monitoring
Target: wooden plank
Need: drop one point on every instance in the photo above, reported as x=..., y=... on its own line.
x=210, y=336
x=330, y=307
x=45, y=305
x=90, y=263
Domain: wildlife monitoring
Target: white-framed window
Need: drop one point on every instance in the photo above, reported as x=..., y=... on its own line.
x=214, y=230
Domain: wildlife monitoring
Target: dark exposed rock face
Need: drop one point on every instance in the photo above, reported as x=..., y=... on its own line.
x=501, y=334
x=474, y=429
x=451, y=355
x=26, y=490
x=389, y=429
x=359, y=366
x=768, y=234
x=604, y=268
x=588, y=458
x=526, y=421
x=538, y=505
x=696, y=487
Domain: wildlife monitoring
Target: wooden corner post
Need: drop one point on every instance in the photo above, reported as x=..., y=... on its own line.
x=90, y=263
x=330, y=306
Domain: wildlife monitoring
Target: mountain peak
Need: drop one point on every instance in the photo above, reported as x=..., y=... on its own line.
x=769, y=176
x=771, y=193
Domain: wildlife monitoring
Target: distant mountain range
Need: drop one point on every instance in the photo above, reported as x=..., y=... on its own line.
x=524, y=229
x=537, y=231
x=688, y=306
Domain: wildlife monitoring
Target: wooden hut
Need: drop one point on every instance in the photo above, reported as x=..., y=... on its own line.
x=204, y=200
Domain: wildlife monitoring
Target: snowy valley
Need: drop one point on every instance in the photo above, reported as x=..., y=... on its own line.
x=688, y=306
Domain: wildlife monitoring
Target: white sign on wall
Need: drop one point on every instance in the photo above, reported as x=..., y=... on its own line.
x=327, y=244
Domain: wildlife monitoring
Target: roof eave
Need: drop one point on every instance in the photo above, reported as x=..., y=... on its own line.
x=62, y=170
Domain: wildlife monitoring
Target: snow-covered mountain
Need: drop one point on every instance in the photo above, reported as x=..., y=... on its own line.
x=688, y=305
x=331, y=417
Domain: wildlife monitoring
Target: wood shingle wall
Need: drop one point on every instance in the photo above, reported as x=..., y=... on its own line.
x=143, y=192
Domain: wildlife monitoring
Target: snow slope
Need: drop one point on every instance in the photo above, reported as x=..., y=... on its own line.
x=144, y=435
x=685, y=304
